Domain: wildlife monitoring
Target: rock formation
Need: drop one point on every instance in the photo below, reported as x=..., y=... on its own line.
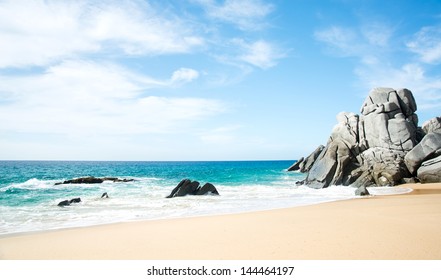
x=188, y=187
x=382, y=146
x=69, y=202
x=93, y=180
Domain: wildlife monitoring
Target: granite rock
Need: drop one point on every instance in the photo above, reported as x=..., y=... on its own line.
x=370, y=149
x=428, y=148
x=430, y=171
x=188, y=187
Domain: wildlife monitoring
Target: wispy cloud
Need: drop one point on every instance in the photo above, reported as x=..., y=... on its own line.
x=248, y=55
x=365, y=41
x=427, y=44
x=340, y=38
x=377, y=49
x=77, y=69
x=245, y=14
x=413, y=76
x=47, y=31
x=260, y=53
x=184, y=75
x=82, y=98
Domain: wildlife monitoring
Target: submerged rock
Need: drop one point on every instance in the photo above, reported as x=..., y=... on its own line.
x=93, y=180
x=188, y=187
x=69, y=202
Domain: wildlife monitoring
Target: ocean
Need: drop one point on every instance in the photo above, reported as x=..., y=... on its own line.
x=29, y=194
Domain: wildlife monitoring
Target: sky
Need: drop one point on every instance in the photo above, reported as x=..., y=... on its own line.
x=203, y=79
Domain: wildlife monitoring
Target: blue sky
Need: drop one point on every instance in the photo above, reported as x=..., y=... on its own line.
x=203, y=79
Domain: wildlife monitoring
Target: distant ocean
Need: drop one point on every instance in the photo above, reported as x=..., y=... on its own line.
x=29, y=196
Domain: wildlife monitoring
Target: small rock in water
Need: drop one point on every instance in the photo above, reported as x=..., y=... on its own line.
x=69, y=202
x=93, y=180
x=64, y=203
x=188, y=187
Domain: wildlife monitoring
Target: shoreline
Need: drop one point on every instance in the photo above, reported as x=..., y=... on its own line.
x=404, y=226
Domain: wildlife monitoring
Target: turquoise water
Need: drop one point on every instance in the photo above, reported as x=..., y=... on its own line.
x=29, y=196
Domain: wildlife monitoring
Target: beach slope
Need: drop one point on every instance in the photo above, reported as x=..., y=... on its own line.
x=384, y=227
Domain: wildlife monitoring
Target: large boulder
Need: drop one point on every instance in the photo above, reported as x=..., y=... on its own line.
x=428, y=148
x=430, y=171
x=389, y=119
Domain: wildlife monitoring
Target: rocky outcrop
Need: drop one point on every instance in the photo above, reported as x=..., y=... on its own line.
x=93, y=180
x=188, y=187
x=382, y=146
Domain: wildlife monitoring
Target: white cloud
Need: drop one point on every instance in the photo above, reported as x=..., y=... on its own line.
x=184, y=75
x=377, y=34
x=246, y=14
x=367, y=41
x=85, y=98
x=427, y=43
x=371, y=44
x=343, y=39
x=260, y=53
x=427, y=89
x=43, y=32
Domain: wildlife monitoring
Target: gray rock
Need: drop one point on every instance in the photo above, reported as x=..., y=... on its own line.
x=207, y=188
x=296, y=165
x=330, y=165
x=69, y=202
x=389, y=119
x=93, y=180
x=184, y=188
x=347, y=129
x=407, y=103
x=411, y=180
x=305, y=164
x=362, y=191
x=188, y=187
x=64, y=203
x=428, y=148
x=368, y=150
x=387, y=166
x=430, y=171
x=432, y=125
x=365, y=179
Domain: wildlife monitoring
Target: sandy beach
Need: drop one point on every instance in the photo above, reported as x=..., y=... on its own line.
x=381, y=227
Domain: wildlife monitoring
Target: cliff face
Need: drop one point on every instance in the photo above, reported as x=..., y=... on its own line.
x=382, y=146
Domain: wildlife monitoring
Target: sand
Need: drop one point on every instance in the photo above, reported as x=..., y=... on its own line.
x=397, y=227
